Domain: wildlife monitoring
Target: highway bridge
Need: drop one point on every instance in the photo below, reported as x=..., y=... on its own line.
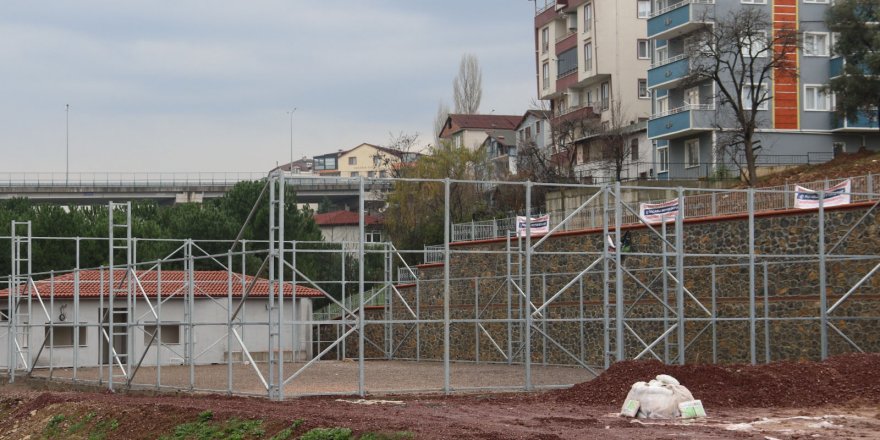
x=169, y=188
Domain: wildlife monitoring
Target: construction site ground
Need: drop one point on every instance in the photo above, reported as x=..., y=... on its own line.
x=838, y=398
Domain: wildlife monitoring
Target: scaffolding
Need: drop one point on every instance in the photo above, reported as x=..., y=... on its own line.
x=528, y=306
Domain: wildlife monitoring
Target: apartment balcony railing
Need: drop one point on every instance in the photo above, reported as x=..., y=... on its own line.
x=543, y=5
x=864, y=121
x=837, y=64
x=669, y=73
x=682, y=121
x=673, y=19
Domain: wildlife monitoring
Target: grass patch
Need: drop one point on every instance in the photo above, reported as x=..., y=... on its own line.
x=206, y=428
x=81, y=423
x=102, y=428
x=53, y=428
x=328, y=434
x=402, y=435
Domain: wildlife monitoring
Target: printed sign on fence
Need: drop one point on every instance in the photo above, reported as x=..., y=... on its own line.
x=659, y=212
x=539, y=225
x=836, y=195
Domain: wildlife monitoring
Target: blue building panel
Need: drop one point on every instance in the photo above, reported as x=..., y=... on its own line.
x=669, y=20
x=669, y=124
x=668, y=73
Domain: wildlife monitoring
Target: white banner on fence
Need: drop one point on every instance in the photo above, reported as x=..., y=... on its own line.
x=539, y=225
x=836, y=195
x=659, y=212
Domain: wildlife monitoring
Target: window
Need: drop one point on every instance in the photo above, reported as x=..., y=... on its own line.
x=545, y=40
x=661, y=54
x=371, y=174
x=816, y=44
x=642, y=50
x=588, y=57
x=752, y=93
x=643, y=89
x=170, y=333
x=383, y=174
x=355, y=174
x=545, y=76
x=528, y=133
x=605, y=94
x=754, y=45
x=662, y=105
x=377, y=160
x=537, y=127
x=63, y=334
x=644, y=8
x=692, y=96
x=373, y=237
x=634, y=150
x=692, y=153
x=754, y=2
x=815, y=98
x=663, y=158
x=352, y=160
x=816, y=1
x=588, y=17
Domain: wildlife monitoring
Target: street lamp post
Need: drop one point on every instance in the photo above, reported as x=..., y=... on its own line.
x=66, y=144
x=290, y=166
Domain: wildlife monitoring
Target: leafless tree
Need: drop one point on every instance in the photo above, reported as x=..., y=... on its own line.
x=400, y=151
x=611, y=139
x=439, y=120
x=467, y=87
x=740, y=54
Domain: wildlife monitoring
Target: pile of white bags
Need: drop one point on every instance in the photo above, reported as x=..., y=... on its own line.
x=657, y=399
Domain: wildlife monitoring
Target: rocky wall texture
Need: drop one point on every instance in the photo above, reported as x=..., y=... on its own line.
x=488, y=307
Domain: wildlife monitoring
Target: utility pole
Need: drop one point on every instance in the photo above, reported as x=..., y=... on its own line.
x=66, y=144
x=291, y=136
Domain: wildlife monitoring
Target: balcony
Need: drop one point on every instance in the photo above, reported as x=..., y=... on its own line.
x=680, y=18
x=862, y=122
x=682, y=121
x=669, y=73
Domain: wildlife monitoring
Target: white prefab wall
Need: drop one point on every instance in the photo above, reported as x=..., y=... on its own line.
x=209, y=326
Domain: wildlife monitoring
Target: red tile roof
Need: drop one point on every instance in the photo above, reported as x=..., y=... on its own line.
x=211, y=283
x=458, y=122
x=340, y=218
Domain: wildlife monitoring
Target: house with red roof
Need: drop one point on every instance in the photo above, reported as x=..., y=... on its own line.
x=344, y=226
x=471, y=131
x=174, y=316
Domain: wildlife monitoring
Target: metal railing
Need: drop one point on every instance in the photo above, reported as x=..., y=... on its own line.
x=666, y=6
x=684, y=108
x=539, y=8
x=709, y=204
x=43, y=179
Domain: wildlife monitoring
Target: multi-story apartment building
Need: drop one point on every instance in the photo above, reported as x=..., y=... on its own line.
x=689, y=118
x=365, y=160
x=592, y=59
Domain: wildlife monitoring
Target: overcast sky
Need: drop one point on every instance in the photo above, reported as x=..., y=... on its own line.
x=205, y=85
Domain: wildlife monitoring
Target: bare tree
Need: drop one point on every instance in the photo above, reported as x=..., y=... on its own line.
x=439, y=120
x=566, y=133
x=611, y=139
x=400, y=151
x=467, y=87
x=740, y=54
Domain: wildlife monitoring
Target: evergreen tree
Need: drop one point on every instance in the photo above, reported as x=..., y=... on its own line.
x=857, y=89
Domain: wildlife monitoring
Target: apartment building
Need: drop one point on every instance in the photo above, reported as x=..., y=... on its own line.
x=797, y=122
x=365, y=160
x=592, y=60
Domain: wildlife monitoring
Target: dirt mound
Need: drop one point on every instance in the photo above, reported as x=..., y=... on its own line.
x=837, y=380
x=844, y=165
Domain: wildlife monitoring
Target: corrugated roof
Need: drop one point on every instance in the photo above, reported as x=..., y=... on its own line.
x=213, y=283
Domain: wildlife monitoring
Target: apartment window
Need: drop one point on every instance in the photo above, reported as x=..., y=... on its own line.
x=753, y=2
x=170, y=334
x=605, y=94
x=537, y=127
x=692, y=153
x=545, y=75
x=754, y=45
x=642, y=50
x=373, y=237
x=663, y=158
x=545, y=40
x=815, y=98
x=588, y=17
x=355, y=174
x=371, y=174
x=588, y=57
x=816, y=44
x=352, y=160
x=661, y=54
x=692, y=96
x=643, y=89
x=662, y=104
x=64, y=334
x=377, y=160
x=634, y=150
x=755, y=93
x=644, y=8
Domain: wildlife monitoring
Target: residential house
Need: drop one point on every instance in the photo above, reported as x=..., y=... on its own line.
x=470, y=131
x=501, y=154
x=301, y=166
x=344, y=226
x=370, y=160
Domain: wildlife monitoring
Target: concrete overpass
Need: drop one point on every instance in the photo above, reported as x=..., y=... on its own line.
x=169, y=188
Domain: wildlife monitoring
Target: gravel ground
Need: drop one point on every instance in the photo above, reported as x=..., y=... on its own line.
x=341, y=377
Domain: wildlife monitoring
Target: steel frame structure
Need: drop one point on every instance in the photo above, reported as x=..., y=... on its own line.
x=526, y=306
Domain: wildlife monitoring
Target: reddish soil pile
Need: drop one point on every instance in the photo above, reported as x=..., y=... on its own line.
x=844, y=165
x=837, y=380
